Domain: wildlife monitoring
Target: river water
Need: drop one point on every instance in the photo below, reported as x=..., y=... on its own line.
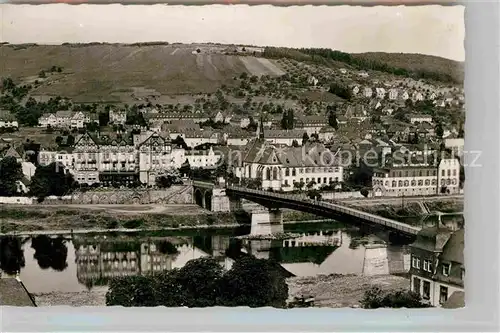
x=83, y=262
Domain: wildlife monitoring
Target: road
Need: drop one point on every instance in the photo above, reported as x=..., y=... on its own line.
x=394, y=200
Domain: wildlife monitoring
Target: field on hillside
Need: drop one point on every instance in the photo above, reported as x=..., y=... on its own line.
x=111, y=73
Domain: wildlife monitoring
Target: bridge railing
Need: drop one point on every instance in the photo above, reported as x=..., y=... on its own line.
x=346, y=210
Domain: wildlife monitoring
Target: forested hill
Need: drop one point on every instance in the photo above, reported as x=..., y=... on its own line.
x=417, y=66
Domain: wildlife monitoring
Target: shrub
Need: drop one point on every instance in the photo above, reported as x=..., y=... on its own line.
x=133, y=224
x=375, y=298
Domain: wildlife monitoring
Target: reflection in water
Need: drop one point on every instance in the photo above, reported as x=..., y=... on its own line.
x=50, y=252
x=11, y=255
x=319, y=249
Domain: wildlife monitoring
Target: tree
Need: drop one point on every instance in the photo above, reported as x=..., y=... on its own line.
x=375, y=298
x=439, y=131
x=50, y=252
x=11, y=255
x=51, y=180
x=70, y=140
x=200, y=279
x=295, y=143
x=365, y=192
x=185, y=169
x=104, y=118
x=131, y=291
x=59, y=140
x=332, y=120
x=305, y=138
x=10, y=173
x=255, y=283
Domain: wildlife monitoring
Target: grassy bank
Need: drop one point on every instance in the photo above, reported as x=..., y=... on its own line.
x=23, y=219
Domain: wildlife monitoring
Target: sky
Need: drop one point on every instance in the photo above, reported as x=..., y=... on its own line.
x=433, y=30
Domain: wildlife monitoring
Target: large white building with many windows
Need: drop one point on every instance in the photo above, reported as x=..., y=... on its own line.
x=417, y=180
x=283, y=168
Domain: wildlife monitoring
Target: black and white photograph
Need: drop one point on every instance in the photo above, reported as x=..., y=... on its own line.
x=219, y=156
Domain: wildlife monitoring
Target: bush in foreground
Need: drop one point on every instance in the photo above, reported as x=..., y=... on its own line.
x=201, y=283
x=375, y=298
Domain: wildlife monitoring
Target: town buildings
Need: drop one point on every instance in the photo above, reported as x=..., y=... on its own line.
x=406, y=179
x=284, y=168
x=437, y=265
x=7, y=120
x=126, y=160
x=65, y=119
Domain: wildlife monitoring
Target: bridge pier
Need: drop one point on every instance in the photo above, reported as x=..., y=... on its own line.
x=266, y=222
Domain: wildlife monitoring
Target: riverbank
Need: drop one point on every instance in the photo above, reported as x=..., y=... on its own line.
x=338, y=291
x=53, y=220
x=333, y=291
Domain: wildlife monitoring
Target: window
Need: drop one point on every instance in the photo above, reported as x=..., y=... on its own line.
x=407, y=183
x=406, y=173
x=443, y=294
x=394, y=184
x=427, y=182
x=420, y=182
x=337, y=169
x=443, y=173
x=433, y=182
x=446, y=269
x=319, y=180
x=287, y=172
x=416, y=285
x=386, y=183
x=448, y=181
x=434, y=172
x=426, y=294
x=427, y=266
x=293, y=172
x=413, y=183
x=415, y=262
x=400, y=183
x=454, y=172
x=324, y=180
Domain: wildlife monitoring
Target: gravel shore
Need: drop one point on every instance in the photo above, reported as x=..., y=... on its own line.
x=338, y=291
x=333, y=291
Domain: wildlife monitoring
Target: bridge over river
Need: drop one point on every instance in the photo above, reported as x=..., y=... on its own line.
x=270, y=216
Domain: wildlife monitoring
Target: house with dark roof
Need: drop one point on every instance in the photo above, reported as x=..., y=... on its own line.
x=437, y=265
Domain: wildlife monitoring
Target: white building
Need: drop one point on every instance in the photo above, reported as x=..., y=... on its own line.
x=420, y=118
x=286, y=168
x=367, y=92
x=64, y=119
x=117, y=117
x=393, y=94
x=417, y=180
x=456, y=145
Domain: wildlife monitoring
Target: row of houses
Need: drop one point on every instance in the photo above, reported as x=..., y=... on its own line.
x=125, y=160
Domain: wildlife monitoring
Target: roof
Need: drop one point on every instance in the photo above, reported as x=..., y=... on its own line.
x=456, y=300
x=431, y=239
x=14, y=293
x=453, y=251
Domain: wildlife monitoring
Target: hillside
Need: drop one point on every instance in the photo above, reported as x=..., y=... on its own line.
x=415, y=62
x=112, y=72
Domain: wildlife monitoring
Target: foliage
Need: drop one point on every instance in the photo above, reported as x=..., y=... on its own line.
x=132, y=291
x=439, y=130
x=305, y=138
x=364, y=192
x=314, y=194
x=11, y=255
x=360, y=61
x=185, y=169
x=341, y=91
x=200, y=279
x=51, y=180
x=288, y=121
x=202, y=282
x=375, y=298
x=10, y=173
x=50, y=252
x=254, y=282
